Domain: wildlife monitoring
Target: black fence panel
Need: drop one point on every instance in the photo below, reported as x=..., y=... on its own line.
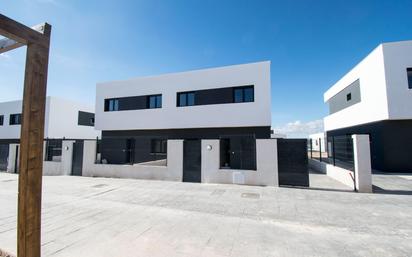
x=293, y=162
x=4, y=155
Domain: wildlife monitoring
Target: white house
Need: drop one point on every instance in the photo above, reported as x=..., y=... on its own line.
x=64, y=119
x=232, y=103
x=375, y=98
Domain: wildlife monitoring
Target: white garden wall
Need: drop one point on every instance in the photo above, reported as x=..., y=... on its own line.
x=173, y=171
x=266, y=173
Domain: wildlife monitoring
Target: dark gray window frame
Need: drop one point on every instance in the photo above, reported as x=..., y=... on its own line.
x=213, y=96
x=186, y=96
x=13, y=117
x=243, y=91
x=131, y=103
x=85, y=118
x=409, y=77
x=158, y=103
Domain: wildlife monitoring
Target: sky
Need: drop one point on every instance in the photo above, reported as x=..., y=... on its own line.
x=311, y=44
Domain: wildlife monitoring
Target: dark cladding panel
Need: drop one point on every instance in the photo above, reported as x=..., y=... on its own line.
x=214, y=96
x=347, y=97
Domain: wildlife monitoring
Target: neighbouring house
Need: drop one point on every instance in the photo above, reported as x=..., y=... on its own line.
x=317, y=141
x=65, y=120
x=375, y=98
x=138, y=116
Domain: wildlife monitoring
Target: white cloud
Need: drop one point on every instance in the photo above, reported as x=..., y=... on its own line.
x=300, y=129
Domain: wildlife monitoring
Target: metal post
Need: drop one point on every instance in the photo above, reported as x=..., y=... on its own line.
x=320, y=149
x=333, y=151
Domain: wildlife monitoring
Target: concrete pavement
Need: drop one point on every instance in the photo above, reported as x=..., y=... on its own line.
x=122, y=217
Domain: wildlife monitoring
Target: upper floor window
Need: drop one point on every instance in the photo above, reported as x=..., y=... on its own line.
x=348, y=97
x=112, y=105
x=409, y=71
x=15, y=119
x=1, y=120
x=186, y=99
x=155, y=101
x=85, y=119
x=243, y=94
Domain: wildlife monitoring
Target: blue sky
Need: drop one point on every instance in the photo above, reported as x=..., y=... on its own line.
x=311, y=44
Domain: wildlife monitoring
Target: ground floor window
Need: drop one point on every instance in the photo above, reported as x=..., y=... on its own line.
x=238, y=152
x=53, y=150
x=159, y=146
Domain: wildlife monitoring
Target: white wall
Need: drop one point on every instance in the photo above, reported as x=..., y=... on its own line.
x=373, y=105
x=61, y=120
x=172, y=172
x=170, y=116
x=398, y=57
x=10, y=131
x=266, y=173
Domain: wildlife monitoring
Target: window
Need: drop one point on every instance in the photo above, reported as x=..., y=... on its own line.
x=348, y=97
x=1, y=120
x=186, y=99
x=15, y=119
x=111, y=105
x=409, y=71
x=53, y=150
x=159, y=146
x=85, y=119
x=243, y=94
x=155, y=101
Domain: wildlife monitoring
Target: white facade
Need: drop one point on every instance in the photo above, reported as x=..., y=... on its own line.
x=170, y=116
x=383, y=88
x=61, y=120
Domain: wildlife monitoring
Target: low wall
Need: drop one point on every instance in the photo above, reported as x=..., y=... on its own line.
x=342, y=175
x=63, y=167
x=173, y=171
x=266, y=173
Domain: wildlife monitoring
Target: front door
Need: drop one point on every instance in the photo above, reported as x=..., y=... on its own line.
x=77, y=161
x=192, y=161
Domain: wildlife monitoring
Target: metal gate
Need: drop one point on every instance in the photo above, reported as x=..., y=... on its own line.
x=192, y=161
x=77, y=160
x=4, y=155
x=293, y=162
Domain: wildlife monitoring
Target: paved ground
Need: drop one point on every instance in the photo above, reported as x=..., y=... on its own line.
x=119, y=217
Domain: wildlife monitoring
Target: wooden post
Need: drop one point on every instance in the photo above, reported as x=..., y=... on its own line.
x=32, y=128
x=31, y=150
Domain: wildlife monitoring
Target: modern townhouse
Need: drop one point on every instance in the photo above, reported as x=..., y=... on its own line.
x=375, y=98
x=64, y=121
x=232, y=104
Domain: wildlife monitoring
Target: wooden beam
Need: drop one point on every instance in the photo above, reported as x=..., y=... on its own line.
x=7, y=44
x=31, y=148
x=21, y=33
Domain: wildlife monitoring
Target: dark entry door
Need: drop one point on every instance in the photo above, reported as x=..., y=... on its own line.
x=4, y=155
x=293, y=162
x=192, y=161
x=77, y=161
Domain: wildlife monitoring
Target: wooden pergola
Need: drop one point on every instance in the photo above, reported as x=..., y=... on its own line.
x=37, y=40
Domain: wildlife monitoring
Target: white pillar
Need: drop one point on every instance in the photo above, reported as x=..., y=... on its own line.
x=67, y=157
x=12, y=158
x=362, y=161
